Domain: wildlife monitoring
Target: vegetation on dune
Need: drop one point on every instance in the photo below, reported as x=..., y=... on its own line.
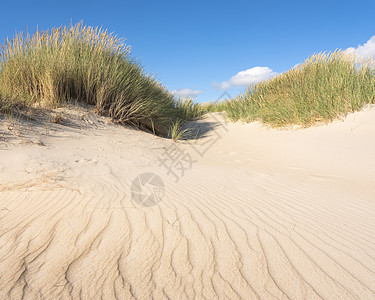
x=188, y=110
x=92, y=66
x=325, y=87
x=89, y=65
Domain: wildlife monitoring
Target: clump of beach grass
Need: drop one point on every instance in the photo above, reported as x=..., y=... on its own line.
x=188, y=109
x=177, y=132
x=325, y=87
x=89, y=65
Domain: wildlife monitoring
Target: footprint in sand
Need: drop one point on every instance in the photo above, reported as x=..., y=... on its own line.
x=87, y=161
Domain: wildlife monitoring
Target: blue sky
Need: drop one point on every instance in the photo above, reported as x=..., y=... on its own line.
x=208, y=47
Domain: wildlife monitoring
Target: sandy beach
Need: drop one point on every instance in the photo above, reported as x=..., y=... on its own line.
x=243, y=212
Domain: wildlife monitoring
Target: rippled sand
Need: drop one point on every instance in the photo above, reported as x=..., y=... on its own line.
x=253, y=213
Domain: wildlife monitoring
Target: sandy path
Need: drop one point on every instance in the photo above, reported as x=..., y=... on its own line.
x=264, y=214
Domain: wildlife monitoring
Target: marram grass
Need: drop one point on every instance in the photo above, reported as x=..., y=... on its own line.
x=95, y=67
x=325, y=87
x=90, y=65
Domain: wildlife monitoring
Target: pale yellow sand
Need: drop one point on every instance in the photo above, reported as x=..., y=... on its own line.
x=270, y=214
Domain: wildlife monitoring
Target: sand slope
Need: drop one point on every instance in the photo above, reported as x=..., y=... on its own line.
x=269, y=214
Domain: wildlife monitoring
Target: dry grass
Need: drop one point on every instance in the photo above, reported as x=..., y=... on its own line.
x=89, y=65
x=188, y=109
x=325, y=87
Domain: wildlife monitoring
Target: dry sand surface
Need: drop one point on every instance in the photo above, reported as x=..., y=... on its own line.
x=245, y=212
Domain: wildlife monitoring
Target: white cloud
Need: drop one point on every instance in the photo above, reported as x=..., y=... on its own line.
x=187, y=93
x=367, y=50
x=247, y=77
x=225, y=85
x=296, y=66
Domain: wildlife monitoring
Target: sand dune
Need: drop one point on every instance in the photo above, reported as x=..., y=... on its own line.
x=247, y=212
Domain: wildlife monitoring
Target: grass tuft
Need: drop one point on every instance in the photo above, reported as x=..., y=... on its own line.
x=89, y=65
x=325, y=87
x=188, y=110
x=176, y=132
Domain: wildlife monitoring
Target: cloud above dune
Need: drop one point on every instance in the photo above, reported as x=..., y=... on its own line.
x=367, y=50
x=247, y=77
x=187, y=93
